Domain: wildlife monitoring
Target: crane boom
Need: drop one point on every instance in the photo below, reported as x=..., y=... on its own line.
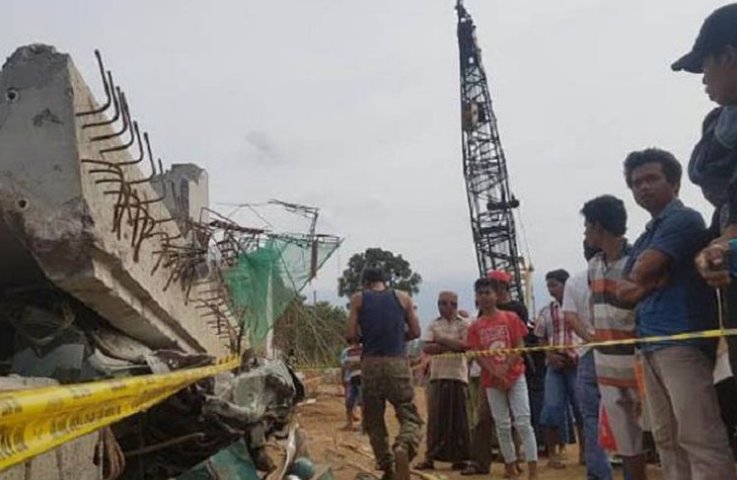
x=490, y=200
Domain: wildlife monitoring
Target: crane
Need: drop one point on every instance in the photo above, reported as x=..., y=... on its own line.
x=490, y=200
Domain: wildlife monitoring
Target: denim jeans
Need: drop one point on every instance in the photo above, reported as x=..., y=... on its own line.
x=517, y=400
x=597, y=463
x=353, y=393
x=560, y=386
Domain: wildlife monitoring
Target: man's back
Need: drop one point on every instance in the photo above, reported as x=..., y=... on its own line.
x=382, y=321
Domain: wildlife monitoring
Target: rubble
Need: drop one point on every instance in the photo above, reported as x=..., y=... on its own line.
x=228, y=412
x=62, y=170
x=112, y=266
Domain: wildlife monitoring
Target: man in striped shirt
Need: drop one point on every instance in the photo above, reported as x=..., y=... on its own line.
x=560, y=378
x=605, y=225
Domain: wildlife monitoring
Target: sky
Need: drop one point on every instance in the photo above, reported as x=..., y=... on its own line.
x=353, y=107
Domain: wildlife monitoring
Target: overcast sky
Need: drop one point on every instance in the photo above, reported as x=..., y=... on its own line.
x=352, y=106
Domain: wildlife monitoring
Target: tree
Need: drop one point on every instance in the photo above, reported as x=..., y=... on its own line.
x=314, y=334
x=397, y=269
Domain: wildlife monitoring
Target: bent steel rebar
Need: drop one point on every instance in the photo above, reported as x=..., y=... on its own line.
x=108, y=99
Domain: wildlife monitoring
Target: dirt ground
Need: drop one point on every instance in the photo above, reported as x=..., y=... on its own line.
x=349, y=453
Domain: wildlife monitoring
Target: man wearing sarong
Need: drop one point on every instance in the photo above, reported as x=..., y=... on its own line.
x=447, y=418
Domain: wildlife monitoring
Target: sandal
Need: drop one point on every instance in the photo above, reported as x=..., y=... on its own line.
x=425, y=465
x=474, y=469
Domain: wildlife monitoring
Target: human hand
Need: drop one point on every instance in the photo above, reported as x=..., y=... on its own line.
x=513, y=360
x=503, y=383
x=556, y=360
x=713, y=264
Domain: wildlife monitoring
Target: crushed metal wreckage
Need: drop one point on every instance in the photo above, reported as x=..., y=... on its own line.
x=234, y=411
x=112, y=266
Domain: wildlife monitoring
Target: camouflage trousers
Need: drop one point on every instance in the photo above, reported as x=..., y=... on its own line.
x=387, y=379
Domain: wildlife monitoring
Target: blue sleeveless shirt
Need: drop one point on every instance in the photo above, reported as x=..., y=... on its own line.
x=382, y=322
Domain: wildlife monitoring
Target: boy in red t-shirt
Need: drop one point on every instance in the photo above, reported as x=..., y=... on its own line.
x=503, y=376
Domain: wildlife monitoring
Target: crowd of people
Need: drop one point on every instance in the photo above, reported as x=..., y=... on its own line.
x=665, y=283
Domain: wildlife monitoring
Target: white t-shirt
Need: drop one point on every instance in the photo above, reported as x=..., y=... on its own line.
x=577, y=299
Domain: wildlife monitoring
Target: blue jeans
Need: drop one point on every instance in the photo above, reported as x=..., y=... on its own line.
x=597, y=463
x=560, y=392
x=353, y=393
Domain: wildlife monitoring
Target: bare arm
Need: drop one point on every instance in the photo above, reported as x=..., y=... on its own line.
x=451, y=344
x=575, y=323
x=413, y=323
x=649, y=273
x=434, y=348
x=355, y=306
x=555, y=358
x=430, y=345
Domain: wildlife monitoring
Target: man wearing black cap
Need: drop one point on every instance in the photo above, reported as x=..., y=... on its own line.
x=713, y=164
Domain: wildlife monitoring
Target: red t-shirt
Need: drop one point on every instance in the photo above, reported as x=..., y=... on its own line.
x=501, y=330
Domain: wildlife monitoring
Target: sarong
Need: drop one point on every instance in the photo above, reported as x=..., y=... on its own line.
x=447, y=425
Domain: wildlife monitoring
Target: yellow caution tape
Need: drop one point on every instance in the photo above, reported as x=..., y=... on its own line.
x=315, y=368
x=36, y=420
x=716, y=333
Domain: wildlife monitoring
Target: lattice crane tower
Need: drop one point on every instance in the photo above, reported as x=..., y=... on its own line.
x=490, y=200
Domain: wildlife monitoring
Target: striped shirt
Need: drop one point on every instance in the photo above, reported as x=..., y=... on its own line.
x=615, y=365
x=551, y=326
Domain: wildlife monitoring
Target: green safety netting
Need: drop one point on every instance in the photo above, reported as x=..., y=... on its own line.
x=265, y=280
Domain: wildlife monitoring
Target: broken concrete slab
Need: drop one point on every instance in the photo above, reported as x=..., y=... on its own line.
x=59, y=213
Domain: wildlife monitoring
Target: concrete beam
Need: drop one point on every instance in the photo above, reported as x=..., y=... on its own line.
x=57, y=220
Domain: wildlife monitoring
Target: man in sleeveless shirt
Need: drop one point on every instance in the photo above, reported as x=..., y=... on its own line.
x=383, y=320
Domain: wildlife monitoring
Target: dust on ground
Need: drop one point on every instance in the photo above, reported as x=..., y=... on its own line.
x=349, y=452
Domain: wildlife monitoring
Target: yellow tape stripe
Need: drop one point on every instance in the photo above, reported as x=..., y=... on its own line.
x=37, y=420
x=719, y=332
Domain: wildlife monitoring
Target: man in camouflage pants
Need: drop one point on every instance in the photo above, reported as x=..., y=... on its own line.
x=386, y=320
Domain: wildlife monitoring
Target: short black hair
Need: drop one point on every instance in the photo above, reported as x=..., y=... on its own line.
x=373, y=275
x=485, y=282
x=559, y=274
x=668, y=162
x=609, y=212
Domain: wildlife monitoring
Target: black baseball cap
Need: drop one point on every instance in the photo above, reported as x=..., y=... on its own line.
x=719, y=30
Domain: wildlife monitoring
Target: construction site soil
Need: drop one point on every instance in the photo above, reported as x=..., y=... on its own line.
x=349, y=453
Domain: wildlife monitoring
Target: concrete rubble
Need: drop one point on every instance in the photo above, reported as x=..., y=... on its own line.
x=59, y=212
x=106, y=270
x=85, y=214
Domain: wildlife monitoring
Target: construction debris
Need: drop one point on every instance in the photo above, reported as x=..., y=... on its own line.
x=113, y=266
